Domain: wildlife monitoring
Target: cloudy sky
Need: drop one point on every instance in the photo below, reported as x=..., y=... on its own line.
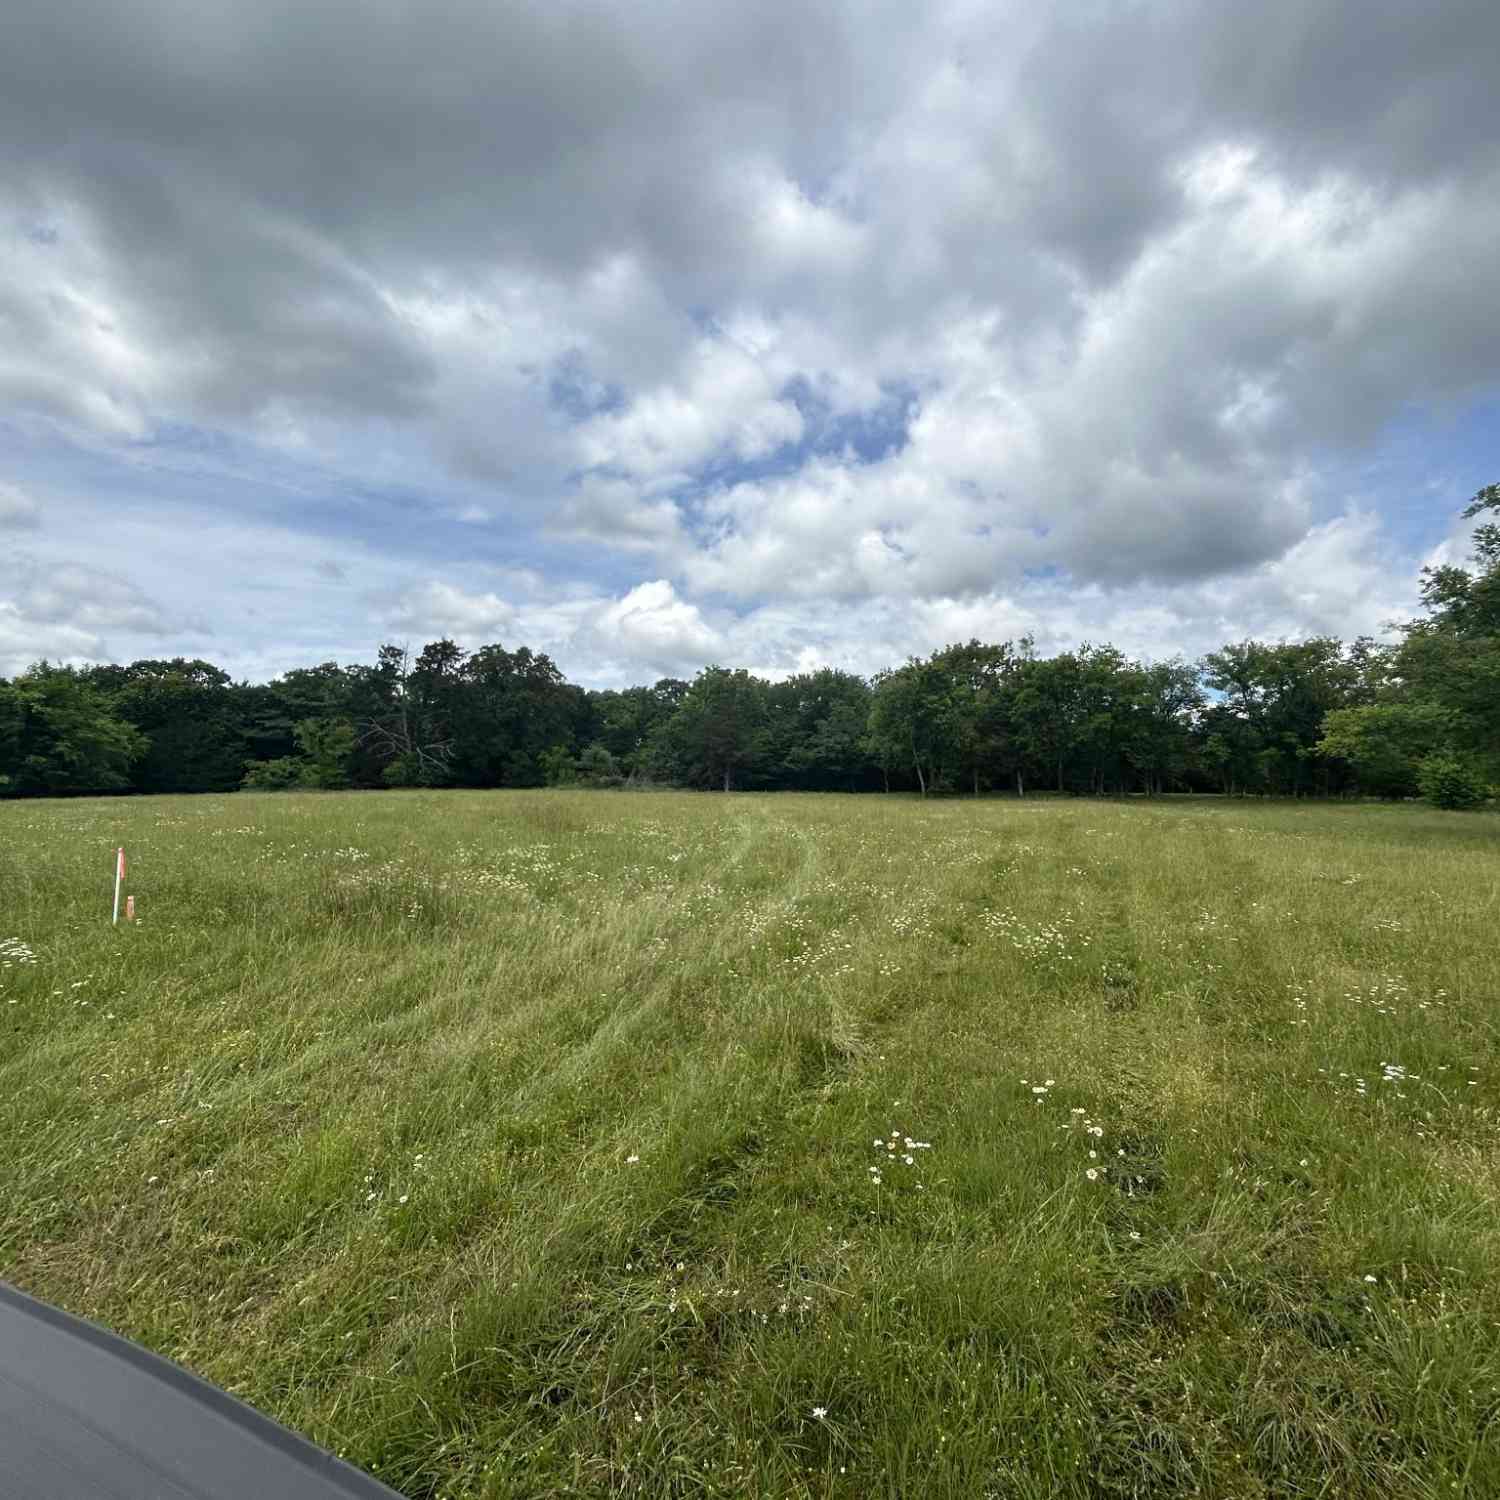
x=654, y=334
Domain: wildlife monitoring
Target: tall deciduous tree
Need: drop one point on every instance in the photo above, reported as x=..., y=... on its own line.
x=516, y=710
x=912, y=721
x=1386, y=743
x=190, y=715
x=59, y=733
x=1163, y=702
x=1267, y=718
x=717, y=730
x=625, y=721
x=979, y=713
x=1048, y=707
x=1451, y=658
x=326, y=746
x=824, y=717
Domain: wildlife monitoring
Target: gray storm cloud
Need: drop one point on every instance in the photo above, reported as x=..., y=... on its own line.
x=1152, y=274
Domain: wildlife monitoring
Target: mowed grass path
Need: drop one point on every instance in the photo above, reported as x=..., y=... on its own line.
x=539, y=1144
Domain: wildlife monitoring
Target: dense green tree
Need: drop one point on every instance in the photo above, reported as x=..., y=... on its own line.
x=1049, y=709
x=716, y=733
x=597, y=767
x=269, y=714
x=558, y=766
x=1107, y=703
x=1451, y=781
x=399, y=720
x=1271, y=700
x=326, y=746
x=1302, y=717
x=912, y=722
x=189, y=716
x=325, y=750
x=625, y=721
x=284, y=773
x=1466, y=601
x=515, y=708
x=978, y=710
x=1385, y=744
x=1451, y=657
x=59, y=733
x=12, y=722
x=821, y=720
x=1155, y=734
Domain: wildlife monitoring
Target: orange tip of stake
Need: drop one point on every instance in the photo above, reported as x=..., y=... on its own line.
x=130, y=908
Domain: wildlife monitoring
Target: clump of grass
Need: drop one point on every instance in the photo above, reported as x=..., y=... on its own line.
x=572, y=1143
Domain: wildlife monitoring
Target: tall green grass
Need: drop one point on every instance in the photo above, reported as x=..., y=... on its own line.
x=557, y=1143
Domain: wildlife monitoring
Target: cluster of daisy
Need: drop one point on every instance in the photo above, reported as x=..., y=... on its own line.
x=831, y=957
x=1383, y=996
x=915, y=921
x=14, y=953
x=372, y=1192
x=1045, y=940
x=1078, y=1120
x=900, y=1149
x=1299, y=1003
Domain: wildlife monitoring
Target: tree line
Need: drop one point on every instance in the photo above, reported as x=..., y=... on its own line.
x=1419, y=715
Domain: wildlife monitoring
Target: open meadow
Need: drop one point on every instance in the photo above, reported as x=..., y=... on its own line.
x=589, y=1143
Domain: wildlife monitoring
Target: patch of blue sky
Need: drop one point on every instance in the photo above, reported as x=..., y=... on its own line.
x=1426, y=468
x=576, y=396
x=409, y=524
x=859, y=437
x=191, y=473
x=871, y=435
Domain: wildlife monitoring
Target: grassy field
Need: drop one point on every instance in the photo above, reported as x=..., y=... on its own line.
x=532, y=1144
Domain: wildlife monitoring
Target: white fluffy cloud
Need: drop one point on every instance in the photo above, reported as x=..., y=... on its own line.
x=726, y=403
x=1340, y=579
x=655, y=628
x=645, y=633
x=765, y=334
x=71, y=613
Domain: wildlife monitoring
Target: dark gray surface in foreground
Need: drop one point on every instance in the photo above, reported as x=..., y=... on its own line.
x=86, y=1415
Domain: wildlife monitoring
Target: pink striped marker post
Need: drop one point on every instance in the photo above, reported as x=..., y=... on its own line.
x=130, y=908
x=119, y=876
